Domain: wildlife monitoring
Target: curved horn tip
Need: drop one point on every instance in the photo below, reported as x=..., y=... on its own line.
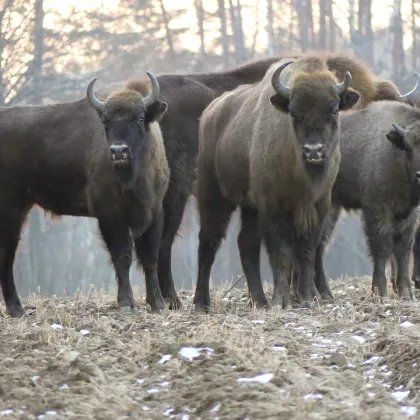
x=154, y=94
x=277, y=84
x=94, y=102
x=400, y=130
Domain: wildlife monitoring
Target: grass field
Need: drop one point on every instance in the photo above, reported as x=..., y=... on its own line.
x=79, y=358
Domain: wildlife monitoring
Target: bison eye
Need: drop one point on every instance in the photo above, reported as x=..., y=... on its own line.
x=335, y=113
x=140, y=121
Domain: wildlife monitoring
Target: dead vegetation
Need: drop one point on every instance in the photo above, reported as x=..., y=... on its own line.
x=79, y=358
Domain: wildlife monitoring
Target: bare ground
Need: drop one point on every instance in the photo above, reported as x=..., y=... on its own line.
x=79, y=358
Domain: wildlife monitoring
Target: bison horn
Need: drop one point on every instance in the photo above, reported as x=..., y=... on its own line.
x=345, y=84
x=94, y=102
x=401, y=131
x=277, y=85
x=152, y=98
x=413, y=94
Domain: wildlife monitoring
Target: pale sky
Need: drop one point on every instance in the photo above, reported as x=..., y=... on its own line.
x=382, y=10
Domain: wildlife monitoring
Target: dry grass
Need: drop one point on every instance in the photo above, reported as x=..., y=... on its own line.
x=101, y=364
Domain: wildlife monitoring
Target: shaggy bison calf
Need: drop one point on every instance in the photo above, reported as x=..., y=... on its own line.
x=70, y=162
x=380, y=175
x=273, y=150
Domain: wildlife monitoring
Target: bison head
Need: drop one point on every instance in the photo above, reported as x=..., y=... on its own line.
x=408, y=140
x=126, y=116
x=313, y=103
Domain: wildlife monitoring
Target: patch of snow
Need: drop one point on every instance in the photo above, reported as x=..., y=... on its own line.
x=371, y=394
x=168, y=411
x=166, y=383
x=406, y=324
x=35, y=378
x=361, y=340
x=400, y=395
x=164, y=359
x=408, y=411
x=258, y=321
x=185, y=417
x=64, y=387
x=152, y=391
x=351, y=366
x=140, y=381
x=191, y=353
x=371, y=360
x=216, y=408
x=265, y=378
x=84, y=332
x=56, y=327
x=6, y=412
x=280, y=348
x=145, y=408
x=313, y=396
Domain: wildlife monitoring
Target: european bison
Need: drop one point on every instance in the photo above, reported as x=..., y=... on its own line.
x=60, y=158
x=320, y=277
x=187, y=97
x=380, y=175
x=273, y=150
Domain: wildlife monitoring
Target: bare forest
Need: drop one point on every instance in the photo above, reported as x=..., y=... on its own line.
x=50, y=50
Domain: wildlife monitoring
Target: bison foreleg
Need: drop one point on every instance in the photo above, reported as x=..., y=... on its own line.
x=11, y=298
x=403, y=243
x=279, y=248
x=174, y=206
x=147, y=249
x=249, y=244
x=416, y=257
x=380, y=243
x=115, y=233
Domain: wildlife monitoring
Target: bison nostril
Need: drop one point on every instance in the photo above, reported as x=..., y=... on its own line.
x=313, y=148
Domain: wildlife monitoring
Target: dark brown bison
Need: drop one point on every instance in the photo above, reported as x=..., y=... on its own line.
x=331, y=223
x=273, y=150
x=187, y=97
x=380, y=175
x=60, y=158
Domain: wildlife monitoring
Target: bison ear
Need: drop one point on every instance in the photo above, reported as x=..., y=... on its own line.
x=156, y=111
x=348, y=99
x=398, y=140
x=280, y=102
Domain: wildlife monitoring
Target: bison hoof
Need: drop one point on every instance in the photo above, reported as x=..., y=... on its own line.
x=127, y=308
x=15, y=311
x=201, y=308
x=282, y=302
x=174, y=303
x=306, y=304
x=327, y=296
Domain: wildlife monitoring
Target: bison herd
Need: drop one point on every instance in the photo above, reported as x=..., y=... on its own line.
x=291, y=140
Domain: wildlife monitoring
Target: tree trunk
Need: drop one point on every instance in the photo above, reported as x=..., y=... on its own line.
x=237, y=30
x=331, y=25
x=270, y=28
x=38, y=51
x=322, y=24
x=223, y=32
x=168, y=34
x=398, y=56
x=199, y=11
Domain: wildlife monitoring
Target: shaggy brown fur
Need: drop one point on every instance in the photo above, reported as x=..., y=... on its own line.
x=58, y=157
x=187, y=97
x=371, y=88
x=381, y=178
x=251, y=155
